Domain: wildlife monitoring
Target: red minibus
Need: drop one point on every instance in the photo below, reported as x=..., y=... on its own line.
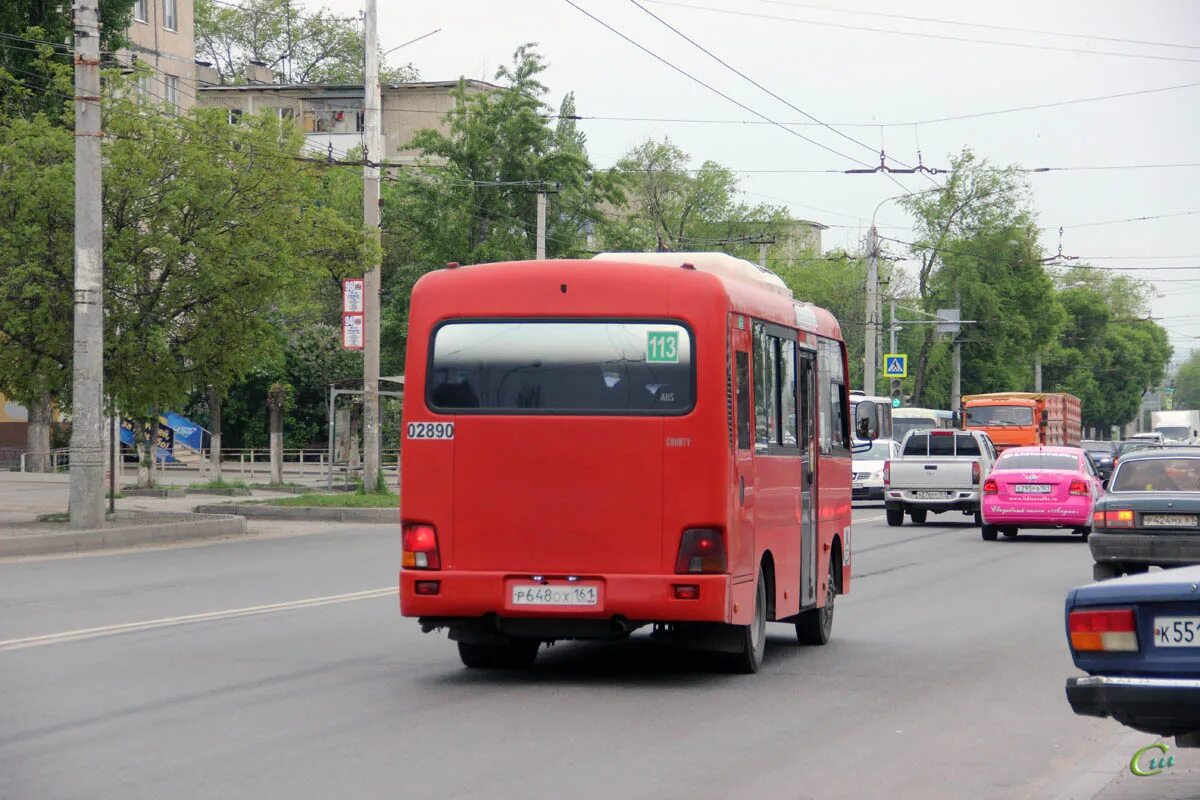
x=593, y=446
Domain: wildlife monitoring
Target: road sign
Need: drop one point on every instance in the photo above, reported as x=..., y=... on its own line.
x=352, y=295
x=895, y=365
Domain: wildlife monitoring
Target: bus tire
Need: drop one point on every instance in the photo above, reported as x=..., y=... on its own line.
x=919, y=515
x=815, y=627
x=516, y=654
x=895, y=517
x=988, y=532
x=754, y=635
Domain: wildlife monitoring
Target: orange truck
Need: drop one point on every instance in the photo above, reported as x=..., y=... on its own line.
x=1014, y=419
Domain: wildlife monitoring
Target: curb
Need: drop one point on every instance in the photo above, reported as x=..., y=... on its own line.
x=310, y=513
x=207, y=527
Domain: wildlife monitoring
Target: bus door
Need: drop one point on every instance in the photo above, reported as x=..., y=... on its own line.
x=806, y=385
x=741, y=537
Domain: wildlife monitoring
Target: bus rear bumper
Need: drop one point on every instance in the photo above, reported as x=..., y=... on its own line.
x=635, y=599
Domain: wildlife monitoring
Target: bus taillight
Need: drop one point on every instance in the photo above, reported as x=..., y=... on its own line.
x=701, y=550
x=420, y=547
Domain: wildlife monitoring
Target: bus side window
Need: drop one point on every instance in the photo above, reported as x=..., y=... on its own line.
x=787, y=380
x=808, y=399
x=743, y=400
x=766, y=388
x=837, y=425
x=824, y=371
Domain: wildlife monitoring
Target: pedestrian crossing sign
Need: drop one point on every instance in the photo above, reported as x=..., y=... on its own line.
x=895, y=365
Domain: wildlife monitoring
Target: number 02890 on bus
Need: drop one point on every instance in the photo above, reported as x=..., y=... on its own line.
x=592, y=447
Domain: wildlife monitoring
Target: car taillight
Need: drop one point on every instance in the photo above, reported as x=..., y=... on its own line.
x=420, y=547
x=1079, y=488
x=887, y=473
x=1111, y=630
x=701, y=550
x=1113, y=519
x=976, y=473
x=990, y=486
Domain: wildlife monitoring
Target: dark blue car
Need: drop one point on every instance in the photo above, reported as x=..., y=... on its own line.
x=1138, y=640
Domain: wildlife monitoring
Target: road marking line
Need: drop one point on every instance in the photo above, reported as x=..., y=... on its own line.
x=209, y=616
x=872, y=519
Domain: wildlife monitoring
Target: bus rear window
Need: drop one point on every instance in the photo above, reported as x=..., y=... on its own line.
x=577, y=367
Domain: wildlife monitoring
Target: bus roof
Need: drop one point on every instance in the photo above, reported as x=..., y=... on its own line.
x=747, y=288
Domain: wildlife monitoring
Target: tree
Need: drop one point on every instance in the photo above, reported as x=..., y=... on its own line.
x=1110, y=352
x=1187, y=383
x=472, y=198
x=977, y=248
x=209, y=227
x=35, y=37
x=298, y=48
x=673, y=207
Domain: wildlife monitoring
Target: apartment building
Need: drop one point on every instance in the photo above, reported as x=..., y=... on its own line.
x=331, y=116
x=162, y=36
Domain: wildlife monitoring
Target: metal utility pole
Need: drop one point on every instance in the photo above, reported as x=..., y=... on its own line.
x=373, y=141
x=87, y=398
x=870, y=359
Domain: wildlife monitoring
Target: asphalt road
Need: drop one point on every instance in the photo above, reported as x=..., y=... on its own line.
x=280, y=668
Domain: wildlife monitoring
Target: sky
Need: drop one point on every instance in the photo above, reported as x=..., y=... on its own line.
x=848, y=65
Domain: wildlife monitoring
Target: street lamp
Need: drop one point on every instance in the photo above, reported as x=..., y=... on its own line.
x=410, y=41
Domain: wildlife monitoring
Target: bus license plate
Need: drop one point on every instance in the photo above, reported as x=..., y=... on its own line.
x=1177, y=631
x=536, y=594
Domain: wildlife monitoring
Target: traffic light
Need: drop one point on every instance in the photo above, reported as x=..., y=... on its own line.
x=897, y=393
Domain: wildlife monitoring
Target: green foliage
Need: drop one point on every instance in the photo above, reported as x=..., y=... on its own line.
x=673, y=207
x=836, y=282
x=221, y=484
x=1109, y=354
x=978, y=241
x=1187, y=383
x=30, y=68
x=209, y=228
x=474, y=198
x=298, y=47
x=339, y=500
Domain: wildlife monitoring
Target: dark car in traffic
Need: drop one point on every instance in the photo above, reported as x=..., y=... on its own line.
x=1150, y=516
x=1138, y=640
x=1102, y=454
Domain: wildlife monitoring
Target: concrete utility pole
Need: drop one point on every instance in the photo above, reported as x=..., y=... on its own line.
x=871, y=358
x=541, y=225
x=372, y=105
x=893, y=328
x=87, y=398
x=956, y=383
x=1037, y=371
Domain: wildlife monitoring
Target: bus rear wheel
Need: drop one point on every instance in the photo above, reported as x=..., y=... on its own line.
x=754, y=635
x=516, y=654
x=816, y=626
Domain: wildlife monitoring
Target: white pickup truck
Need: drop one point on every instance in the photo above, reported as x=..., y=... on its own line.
x=938, y=471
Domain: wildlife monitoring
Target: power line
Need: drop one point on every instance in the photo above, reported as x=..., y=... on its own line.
x=979, y=25
x=711, y=88
x=946, y=37
x=764, y=89
x=1119, y=221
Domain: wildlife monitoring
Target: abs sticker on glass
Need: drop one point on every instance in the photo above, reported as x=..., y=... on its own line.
x=430, y=430
x=662, y=347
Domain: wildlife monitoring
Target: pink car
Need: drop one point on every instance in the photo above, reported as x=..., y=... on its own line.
x=1040, y=487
